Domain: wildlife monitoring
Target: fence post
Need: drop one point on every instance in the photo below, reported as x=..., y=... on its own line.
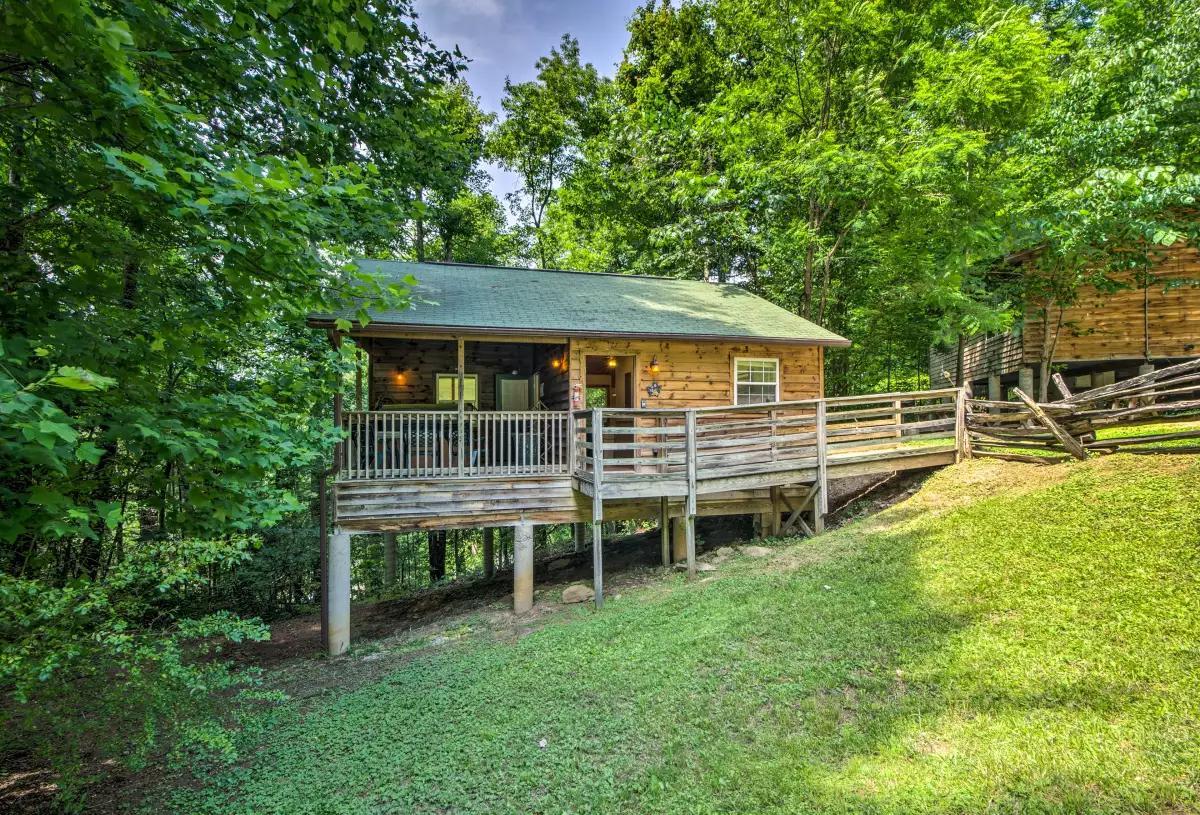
x=962, y=442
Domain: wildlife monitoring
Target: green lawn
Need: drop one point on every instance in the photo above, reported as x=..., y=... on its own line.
x=1011, y=639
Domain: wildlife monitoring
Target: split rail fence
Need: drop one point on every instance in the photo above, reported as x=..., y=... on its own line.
x=1075, y=424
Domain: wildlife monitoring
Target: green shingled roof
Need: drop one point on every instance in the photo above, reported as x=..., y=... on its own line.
x=452, y=296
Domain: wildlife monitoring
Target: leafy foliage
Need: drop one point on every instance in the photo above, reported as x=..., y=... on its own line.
x=182, y=184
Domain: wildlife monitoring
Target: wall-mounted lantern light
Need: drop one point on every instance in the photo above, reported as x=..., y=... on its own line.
x=654, y=367
x=612, y=362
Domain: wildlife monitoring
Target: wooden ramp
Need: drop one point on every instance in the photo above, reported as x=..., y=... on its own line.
x=629, y=454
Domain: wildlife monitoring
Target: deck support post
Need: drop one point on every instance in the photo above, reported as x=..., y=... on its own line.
x=664, y=530
x=579, y=533
x=389, y=559
x=690, y=508
x=598, y=563
x=460, y=384
x=337, y=587
x=522, y=567
x=489, y=552
x=1146, y=368
x=689, y=531
x=821, y=499
x=774, y=526
x=678, y=540
x=598, y=506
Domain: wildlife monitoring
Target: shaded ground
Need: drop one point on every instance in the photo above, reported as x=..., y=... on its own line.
x=1009, y=638
x=388, y=633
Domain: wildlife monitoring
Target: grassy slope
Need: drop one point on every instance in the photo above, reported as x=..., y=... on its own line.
x=1013, y=637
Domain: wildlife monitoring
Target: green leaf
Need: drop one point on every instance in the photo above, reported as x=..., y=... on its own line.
x=80, y=379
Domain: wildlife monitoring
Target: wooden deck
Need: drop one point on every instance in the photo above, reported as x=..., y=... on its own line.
x=423, y=471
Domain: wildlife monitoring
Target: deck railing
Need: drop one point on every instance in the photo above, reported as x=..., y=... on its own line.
x=677, y=447
x=663, y=447
x=422, y=444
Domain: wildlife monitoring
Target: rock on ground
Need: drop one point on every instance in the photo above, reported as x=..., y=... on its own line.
x=578, y=593
x=755, y=551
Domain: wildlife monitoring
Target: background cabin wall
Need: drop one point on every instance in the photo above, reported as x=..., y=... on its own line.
x=698, y=372
x=1110, y=326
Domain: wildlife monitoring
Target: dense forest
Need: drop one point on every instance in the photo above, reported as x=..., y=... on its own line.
x=184, y=182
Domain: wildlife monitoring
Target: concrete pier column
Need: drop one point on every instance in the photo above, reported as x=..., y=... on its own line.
x=1145, y=368
x=522, y=568
x=995, y=393
x=389, y=559
x=337, y=586
x=1025, y=382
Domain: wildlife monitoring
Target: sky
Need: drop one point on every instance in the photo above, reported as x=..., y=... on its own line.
x=504, y=38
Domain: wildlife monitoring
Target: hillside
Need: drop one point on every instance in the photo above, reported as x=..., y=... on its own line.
x=1010, y=638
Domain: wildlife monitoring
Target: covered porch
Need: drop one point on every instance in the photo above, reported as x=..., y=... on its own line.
x=457, y=407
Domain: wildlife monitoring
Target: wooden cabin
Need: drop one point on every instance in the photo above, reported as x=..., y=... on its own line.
x=508, y=397
x=1105, y=337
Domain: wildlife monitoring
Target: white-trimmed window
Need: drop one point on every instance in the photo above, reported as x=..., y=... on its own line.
x=755, y=381
x=447, y=389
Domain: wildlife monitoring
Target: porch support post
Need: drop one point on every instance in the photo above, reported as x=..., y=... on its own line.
x=678, y=540
x=690, y=508
x=337, y=584
x=462, y=396
x=821, y=499
x=389, y=559
x=489, y=552
x=598, y=506
x=664, y=530
x=689, y=531
x=522, y=567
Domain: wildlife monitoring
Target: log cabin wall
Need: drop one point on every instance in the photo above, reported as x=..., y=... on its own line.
x=699, y=373
x=403, y=372
x=1104, y=326
x=550, y=363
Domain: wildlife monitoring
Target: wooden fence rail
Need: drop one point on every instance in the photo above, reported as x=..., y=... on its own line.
x=1028, y=431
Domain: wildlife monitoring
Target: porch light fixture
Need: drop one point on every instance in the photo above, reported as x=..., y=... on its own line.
x=556, y=363
x=612, y=362
x=654, y=365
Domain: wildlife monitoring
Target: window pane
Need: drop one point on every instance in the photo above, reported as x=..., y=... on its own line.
x=756, y=381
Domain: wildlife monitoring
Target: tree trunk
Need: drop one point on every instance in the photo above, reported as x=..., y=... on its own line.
x=960, y=362
x=437, y=556
x=420, y=247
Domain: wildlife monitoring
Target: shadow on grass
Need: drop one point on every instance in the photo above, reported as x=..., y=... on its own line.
x=893, y=675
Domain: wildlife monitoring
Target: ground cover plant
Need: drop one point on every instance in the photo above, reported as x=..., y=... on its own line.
x=1011, y=638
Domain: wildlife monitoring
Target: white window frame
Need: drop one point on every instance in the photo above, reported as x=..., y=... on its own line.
x=778, y=377
x=453, y=400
